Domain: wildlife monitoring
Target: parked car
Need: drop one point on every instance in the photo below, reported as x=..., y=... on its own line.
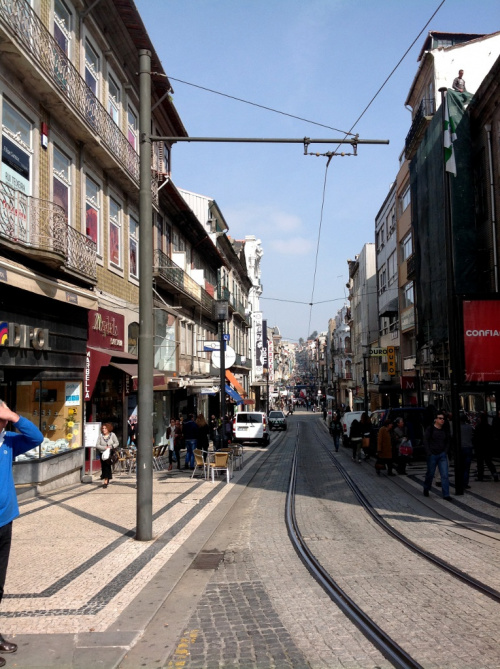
x=347, y=420
x=416, y=421
x=277, y=420
x=251, y=426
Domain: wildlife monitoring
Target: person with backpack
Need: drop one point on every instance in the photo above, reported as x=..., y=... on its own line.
x=437, y=444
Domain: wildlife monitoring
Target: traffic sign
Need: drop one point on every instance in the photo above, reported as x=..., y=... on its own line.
x=226, y=337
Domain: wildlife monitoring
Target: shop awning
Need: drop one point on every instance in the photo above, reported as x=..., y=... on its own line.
x=133, y=370
x=234, y=395
x=236, y=384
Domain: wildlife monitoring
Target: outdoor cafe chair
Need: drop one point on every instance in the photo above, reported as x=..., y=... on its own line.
x=199, y=463
x=220, y=462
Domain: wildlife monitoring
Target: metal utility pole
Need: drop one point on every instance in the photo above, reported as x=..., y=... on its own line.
x=365, y=385
x=223, y=440
x=144, y=530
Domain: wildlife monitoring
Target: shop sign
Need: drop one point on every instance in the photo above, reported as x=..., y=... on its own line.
x=481, y=335
x=93, y=363
x=391, y=360
x=408, y=383
x=72, y=394
x=106, y=330
x=19, y=335
x=378, y=352
x=258, y=344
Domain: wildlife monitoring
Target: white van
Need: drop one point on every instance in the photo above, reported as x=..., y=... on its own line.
x=251, y=426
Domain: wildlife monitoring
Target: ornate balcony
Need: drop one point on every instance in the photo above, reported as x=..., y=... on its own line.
x=411, y=267
x=175, y=280
x=29, y=38
x=39, y=229
x=421, y=120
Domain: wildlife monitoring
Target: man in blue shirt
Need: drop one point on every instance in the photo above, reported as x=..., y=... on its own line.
x=12, y=444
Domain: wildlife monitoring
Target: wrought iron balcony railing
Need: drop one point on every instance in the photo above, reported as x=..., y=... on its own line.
x=165, y=268
x=243, y=361
x=223, y=293
x=39, y=229
x=29, y=33
x=420, y=122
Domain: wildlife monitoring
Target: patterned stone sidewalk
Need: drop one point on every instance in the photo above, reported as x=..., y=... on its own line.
x=75, y=568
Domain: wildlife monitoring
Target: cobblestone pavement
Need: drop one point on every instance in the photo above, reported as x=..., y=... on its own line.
x=221, y=585
x=418, y=604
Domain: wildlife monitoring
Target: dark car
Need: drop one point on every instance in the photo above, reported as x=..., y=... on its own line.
x=416, y=421
x=277, y=420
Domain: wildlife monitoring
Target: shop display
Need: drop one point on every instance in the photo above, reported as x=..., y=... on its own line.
x=55, y=407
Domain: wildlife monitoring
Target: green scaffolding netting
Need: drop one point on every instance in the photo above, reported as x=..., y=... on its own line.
x=428, y=220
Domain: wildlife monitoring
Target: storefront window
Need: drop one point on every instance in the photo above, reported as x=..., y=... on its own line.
x=56, y=408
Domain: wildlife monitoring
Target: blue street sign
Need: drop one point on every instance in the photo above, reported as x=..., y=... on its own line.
x=226, y=337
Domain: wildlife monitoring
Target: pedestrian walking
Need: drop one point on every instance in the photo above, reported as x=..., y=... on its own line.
x=12, y=444
x=190, y=432
x=366, y=428
x=401, y=446
x=214, y=428
x=107, y=445
x=174, y=437
x=437, y=443
x=336, y=430
x=355, y=437
x=467, y=445
x=203, y=432
x=483, y=445
x=384, y=448
x=495, y=427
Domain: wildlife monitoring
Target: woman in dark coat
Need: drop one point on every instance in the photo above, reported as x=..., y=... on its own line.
x=366, y=426
x=107, y=439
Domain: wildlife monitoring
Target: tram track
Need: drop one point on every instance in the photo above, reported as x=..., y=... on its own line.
x=398, y=657
x=469, y=580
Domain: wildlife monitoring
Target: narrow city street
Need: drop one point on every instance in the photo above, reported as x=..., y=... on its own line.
x=221, y=584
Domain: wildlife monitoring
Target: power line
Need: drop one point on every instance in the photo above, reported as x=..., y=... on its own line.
x=255, y=104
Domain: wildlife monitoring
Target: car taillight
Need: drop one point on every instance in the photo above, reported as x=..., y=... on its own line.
x=234, y=421
x=264, y=421
x=345, y=427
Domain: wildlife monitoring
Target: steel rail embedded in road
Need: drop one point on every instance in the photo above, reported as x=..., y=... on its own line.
x=442, y=564
x=385, y=644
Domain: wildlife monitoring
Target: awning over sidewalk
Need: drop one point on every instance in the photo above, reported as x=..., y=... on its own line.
x=236, y=384
x=133, y=370
x=234, y=395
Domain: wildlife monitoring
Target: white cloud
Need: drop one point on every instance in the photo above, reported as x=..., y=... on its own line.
x=296, y=246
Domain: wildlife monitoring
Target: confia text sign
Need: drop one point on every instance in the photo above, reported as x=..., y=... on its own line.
x=481, y=320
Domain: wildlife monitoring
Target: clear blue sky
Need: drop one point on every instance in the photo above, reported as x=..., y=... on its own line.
x=322, y=60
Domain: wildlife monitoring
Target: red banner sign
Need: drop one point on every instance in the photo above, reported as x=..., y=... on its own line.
x=482, y=340
x=106, y=330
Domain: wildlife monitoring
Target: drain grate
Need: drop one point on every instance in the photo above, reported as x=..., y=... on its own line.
x=207, y=560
